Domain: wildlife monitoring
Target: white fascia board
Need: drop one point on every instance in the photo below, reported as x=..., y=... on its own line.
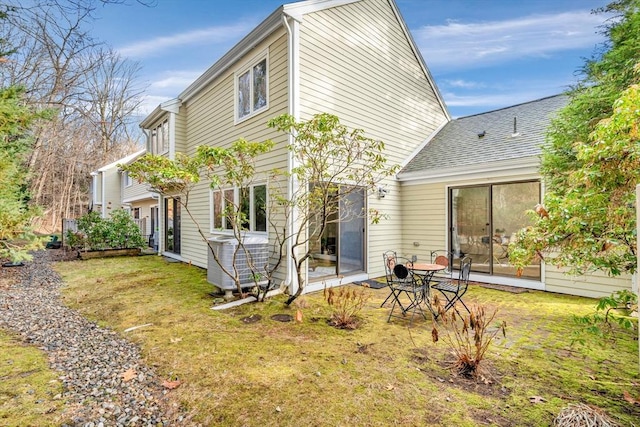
x=486, y=171
x=151, y=118
x=141, y=197
x=261, y=32
x=123, y=160
x=298, y=10
x=171, y=106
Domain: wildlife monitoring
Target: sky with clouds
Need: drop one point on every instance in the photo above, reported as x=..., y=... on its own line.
x=483, y=54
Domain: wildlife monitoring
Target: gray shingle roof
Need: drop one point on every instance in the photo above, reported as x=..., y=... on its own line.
x=457, y=144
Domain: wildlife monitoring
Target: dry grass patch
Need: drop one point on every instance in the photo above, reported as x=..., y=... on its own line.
x=267, y=373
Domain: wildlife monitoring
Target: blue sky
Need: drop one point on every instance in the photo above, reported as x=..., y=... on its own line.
x=483, y=54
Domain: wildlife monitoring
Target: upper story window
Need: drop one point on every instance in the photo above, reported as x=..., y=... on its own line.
x=251, y=201
x=160, y=138
x=128, y=182
x=252, y=88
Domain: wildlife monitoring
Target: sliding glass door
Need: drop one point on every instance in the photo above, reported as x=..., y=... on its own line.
x=483, y=221
x=340, y=248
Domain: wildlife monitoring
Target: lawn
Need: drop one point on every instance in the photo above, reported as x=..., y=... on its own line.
x=268, y=372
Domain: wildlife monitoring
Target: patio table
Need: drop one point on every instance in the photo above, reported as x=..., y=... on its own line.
x=425, y=272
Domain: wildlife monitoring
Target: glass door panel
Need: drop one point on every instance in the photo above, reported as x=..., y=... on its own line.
x=470, y=226
x=509, y=205
x=351, y=237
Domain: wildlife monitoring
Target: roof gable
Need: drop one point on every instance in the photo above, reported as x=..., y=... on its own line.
x=506, y=134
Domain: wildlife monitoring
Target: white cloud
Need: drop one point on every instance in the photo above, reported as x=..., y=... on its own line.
x=467, y=45
x=466, y=84
x=149, y=103
x=211, y=35
x=175, y=81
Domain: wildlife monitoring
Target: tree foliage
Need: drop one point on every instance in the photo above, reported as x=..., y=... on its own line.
x=331, y=164
x=47, y=48
x=232, y=167
x=16, y=213
x=590, y=163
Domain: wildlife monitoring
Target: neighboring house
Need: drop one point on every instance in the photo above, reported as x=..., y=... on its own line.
x=111, y=189
x=468, y=188
x=352, y=58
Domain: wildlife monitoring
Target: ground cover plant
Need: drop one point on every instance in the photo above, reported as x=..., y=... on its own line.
x=307, y=372
x=29, y=390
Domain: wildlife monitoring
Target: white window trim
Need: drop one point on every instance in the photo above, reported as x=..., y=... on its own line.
x=158, y=147
x=248, y=66
x=236, y=200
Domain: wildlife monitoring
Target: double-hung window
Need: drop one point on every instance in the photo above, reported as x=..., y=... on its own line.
x=251, y=84
x=248, y=204
x=160, y=138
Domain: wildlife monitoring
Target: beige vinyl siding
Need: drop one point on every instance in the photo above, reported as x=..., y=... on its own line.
x=112, y=190
x=135, y=190
x=424, y=220
x=209, y=119
x=181, y=132
x=356, y=62
x=594, y=285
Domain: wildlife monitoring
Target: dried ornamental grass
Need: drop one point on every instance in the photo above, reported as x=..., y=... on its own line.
x=347, y=304
x=468, y=337
x=581, y=415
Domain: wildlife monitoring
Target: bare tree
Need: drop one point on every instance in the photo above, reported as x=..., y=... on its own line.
x=92, y=90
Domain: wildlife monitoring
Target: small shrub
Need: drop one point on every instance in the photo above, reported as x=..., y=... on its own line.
x=347, y=304
x=468, y=337
x=97, y=233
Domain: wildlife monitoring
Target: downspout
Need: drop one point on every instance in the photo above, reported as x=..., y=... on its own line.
x=294, y=110
x=103, y=175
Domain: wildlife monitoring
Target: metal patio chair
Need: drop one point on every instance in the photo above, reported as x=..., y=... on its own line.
x=404, y=290
x=453, y=290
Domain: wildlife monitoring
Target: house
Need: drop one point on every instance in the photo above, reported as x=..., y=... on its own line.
x=464, y=185
x=468, y=187
x=352, y=58
x=112, y=188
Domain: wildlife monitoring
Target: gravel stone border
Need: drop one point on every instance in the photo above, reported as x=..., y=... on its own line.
x=92, y=360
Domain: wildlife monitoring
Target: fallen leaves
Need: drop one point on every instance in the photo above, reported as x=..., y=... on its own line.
x=630, y=399
x=171, y=384
x=537, y=399
x=128, y=375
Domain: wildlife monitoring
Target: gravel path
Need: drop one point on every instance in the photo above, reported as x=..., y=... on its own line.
x=92, y=360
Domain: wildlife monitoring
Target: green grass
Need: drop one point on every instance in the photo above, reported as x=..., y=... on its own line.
x=309, y=373
x=28, y=388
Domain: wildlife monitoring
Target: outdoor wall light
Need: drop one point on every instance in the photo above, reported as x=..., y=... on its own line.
x=382, y=192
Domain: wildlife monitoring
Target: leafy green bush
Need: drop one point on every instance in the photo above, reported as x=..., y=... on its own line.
x=96, y=233
x=612, y=314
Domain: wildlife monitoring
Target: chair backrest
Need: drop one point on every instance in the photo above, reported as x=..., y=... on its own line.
x=465, y=270
x=443, y=257
x=390, y=260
